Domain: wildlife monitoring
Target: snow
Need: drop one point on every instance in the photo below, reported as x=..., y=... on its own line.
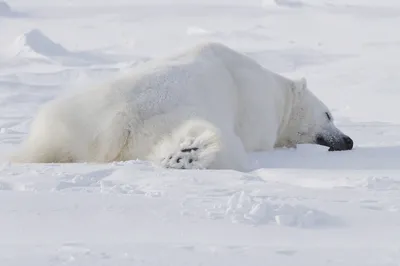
x=35, y=41
x=296, y=207
x=7, y=11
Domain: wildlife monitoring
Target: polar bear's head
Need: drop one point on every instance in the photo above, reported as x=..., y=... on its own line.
x=311, y=121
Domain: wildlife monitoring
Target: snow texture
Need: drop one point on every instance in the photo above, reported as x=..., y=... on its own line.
x=295, y=207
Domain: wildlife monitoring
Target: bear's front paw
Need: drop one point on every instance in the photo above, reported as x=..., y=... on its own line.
x=185, y=158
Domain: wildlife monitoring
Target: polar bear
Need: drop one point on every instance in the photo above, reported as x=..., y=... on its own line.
x=204, y=108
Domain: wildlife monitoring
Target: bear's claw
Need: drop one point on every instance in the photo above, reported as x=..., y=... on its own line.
x=189, y=149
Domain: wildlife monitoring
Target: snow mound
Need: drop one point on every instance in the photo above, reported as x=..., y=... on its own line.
x=35, y=46
x=285, y=3
x=36, y=42
x=6, y=10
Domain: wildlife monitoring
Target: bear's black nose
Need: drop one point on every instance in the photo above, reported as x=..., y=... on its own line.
x=348, y=142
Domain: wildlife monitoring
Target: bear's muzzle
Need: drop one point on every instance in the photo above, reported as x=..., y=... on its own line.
x=342, y=143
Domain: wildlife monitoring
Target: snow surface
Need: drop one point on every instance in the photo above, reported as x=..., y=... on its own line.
x=296, y=207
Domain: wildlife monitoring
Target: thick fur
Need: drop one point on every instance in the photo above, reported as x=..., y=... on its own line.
x=204, y=108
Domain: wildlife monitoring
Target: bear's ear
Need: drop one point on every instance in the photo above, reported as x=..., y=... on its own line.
x=303, y=83
x=299, y=85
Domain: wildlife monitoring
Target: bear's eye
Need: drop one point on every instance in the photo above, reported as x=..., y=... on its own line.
x=328, y=116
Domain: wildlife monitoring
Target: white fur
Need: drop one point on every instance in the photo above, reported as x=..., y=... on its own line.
x=211, y=98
